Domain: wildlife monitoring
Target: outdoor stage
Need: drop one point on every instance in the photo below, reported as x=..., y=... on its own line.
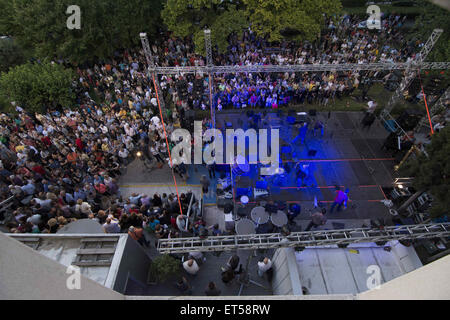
x=346, y=156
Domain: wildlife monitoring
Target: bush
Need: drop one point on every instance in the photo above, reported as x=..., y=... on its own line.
x=37, y=86
x=163, y=267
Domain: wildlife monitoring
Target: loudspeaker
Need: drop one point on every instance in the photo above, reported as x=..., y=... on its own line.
x=312, y=153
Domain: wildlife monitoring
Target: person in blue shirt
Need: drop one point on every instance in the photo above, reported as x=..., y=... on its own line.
x=135, y=198
x=79, y=194
x=293, y=212
x=29, y=188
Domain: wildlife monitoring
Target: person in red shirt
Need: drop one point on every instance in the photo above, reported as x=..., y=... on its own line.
x=72, y=157
x=79, y=144
x=46, y=140
x=101, y=188
x=38, y=169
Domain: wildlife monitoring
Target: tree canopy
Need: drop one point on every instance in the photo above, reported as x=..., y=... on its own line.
x=34, y=86
x=191, y=17
x=266, y=17
x=304, y=18
x=432, y=173
x=105, y=26
x=433, y=17
x=10, y=54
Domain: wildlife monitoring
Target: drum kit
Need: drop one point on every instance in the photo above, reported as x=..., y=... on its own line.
x=259, y=216
x=279, y=218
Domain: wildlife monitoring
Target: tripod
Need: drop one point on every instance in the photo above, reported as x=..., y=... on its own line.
x=244, y=277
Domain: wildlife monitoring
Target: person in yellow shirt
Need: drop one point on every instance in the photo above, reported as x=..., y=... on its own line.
x=122, y=113
x=105, y=147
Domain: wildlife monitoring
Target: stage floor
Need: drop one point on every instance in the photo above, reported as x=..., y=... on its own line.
x=346, y=156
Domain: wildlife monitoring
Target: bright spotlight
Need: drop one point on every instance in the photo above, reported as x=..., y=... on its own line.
x=139, y=154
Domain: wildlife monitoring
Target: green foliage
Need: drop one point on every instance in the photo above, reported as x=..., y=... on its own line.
x=433, y=17
x=35, y=86
x=10, y=54
x=105, y=26
x=191, y=17
x=163, y=267
x=267, y=17
x=432, y=173
x=305, y=17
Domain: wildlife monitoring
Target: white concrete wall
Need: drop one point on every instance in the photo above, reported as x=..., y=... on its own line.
x=429, y=282
x=27, y=274
x=286, y=280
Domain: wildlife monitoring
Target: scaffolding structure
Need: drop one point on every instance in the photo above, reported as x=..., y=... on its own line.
x=411, y=68
x=376, y=66
x=411, y=73
x=437, y=107
x=303, y=239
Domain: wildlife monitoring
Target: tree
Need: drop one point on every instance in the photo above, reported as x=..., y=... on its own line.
x=105, y=26
x=269, y=18
x=302, y=18
x=10, y=54
x=432, y=173
x=191, y=17
x=35, y=86
x=433, y=17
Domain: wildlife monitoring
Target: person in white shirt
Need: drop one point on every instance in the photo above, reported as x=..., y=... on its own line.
x=263, y=266
x=191, y=267
x=372, y=105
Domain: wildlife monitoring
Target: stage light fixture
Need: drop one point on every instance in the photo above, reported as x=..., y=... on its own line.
x=139, y=154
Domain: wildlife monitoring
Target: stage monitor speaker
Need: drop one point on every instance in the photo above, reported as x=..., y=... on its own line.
x=312, y=153
x=312, y=112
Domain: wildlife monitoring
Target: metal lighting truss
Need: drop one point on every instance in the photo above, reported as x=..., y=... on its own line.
x=411, y=72
x=435, y=109
x=315, y=238
x=303, y=239
x=208, y=47
x=411, y=68
x=209, y=64
x=376, y=66
x=151, y=66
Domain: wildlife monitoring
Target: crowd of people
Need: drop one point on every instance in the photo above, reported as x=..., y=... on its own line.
x=64, y=164
x=343, y=43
